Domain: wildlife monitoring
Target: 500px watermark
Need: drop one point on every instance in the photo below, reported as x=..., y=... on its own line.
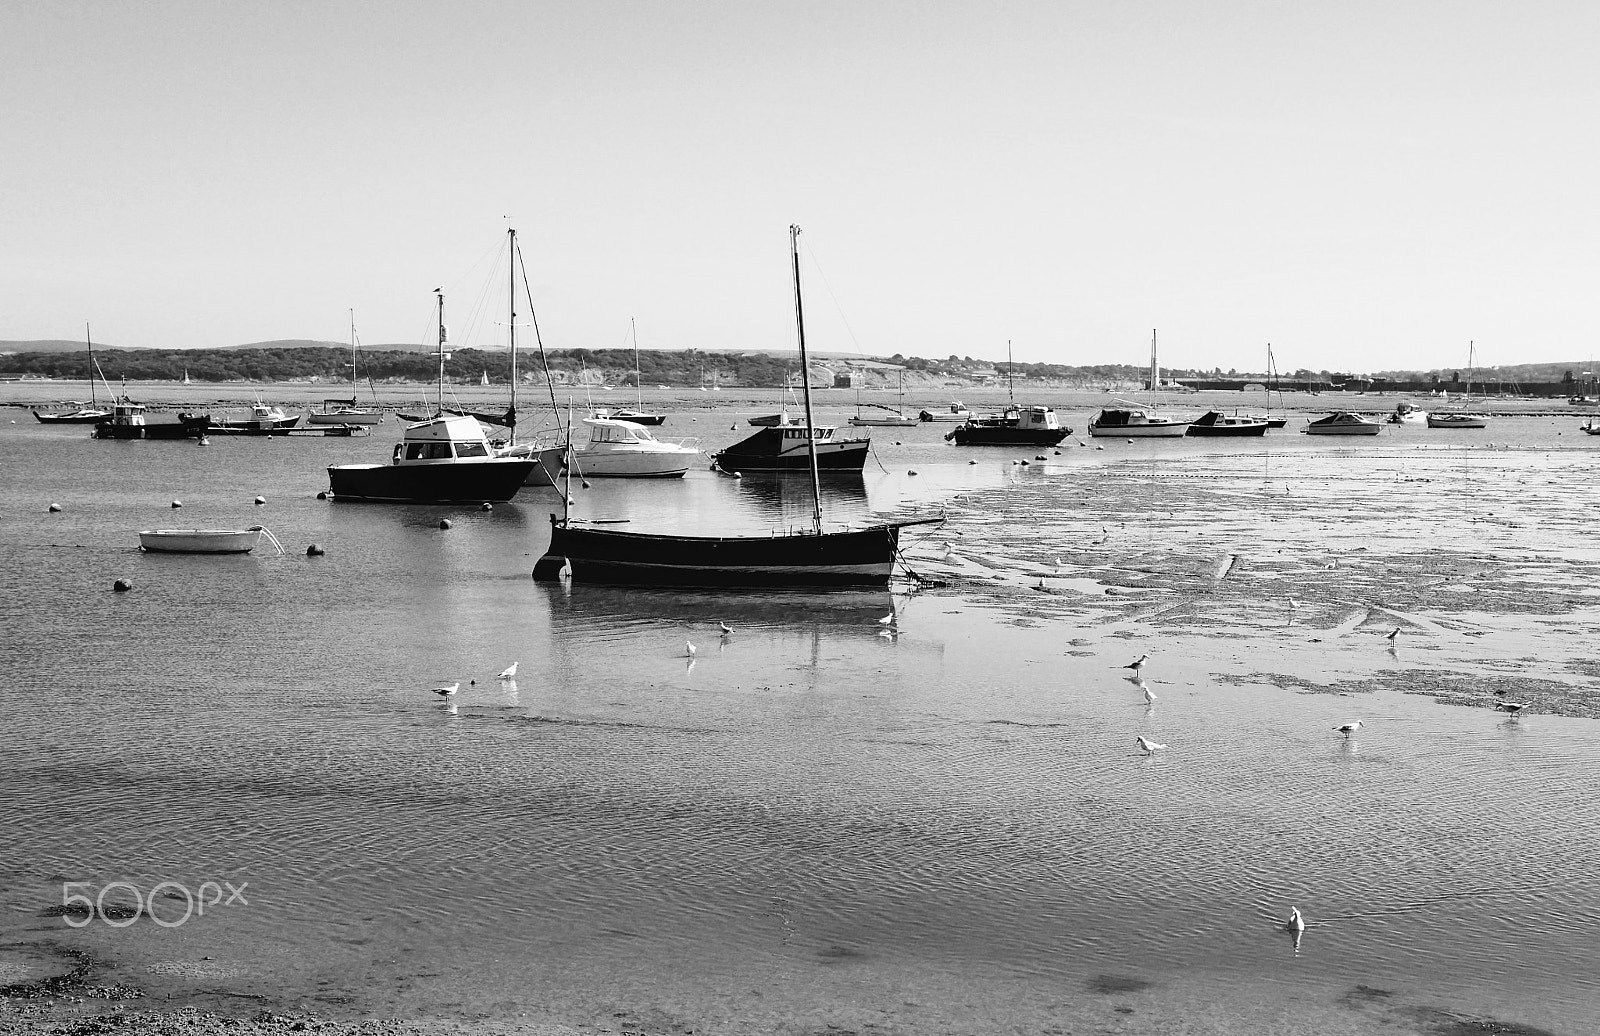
x=77, y=902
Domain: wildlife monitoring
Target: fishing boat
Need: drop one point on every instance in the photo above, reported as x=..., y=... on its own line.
x=445, y=459
x=895, y=418
x=1014, y=426
x=1342, y=423
x=345, y=411
x=1460, y=416
x=811, y=557
x=205, y=541
x=1407, y=413
x=792, y=447
x=129, y=420
x=264, y=419
x=1215, y=424
x=622, y=449
x=956, y=413
x=1131, y=421
x=90, y=413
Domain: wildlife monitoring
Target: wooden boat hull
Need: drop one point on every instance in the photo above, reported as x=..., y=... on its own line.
x=858, y=557
x=783, y=449
x=199, y=541
x=885, y=422
x=495, y=480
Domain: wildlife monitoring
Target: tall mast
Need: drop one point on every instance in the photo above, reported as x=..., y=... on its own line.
x=1011, y=389
x=352, y=356
x=94, y=400
x=805, y=381
x=511, y=266
x=1155, y=372
x=638, y=388
x=440, y=292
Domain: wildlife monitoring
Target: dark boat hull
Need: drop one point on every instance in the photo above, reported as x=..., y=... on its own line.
x=185, y=427
x=784, y=449
x=863, y=557
x=1225, y=431
x=981, y=435
x=453, y=483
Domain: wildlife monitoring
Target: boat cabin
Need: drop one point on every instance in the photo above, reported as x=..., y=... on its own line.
x=448, y=438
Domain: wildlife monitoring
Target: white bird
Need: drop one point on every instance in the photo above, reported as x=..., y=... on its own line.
x=1149, y=695
x=1293, y=604
x=1296, y=922
x=887, y=620
x=509, y=672
x=447, y=690
x=1137, y=663
x=725, y=628
x=1512, y=707
x=1348, y=728
x=689, y=645
x=1392, y=633
x=1148, y=746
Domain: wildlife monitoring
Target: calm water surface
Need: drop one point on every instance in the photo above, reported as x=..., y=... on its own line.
x=810, y=824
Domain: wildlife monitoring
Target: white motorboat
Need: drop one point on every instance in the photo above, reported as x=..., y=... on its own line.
x=622, y=449
x=205, y=541
x=1407, y=413
x=956, y=414
x=1132, y=423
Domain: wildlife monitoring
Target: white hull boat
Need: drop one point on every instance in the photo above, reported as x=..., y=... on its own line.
x=205, y=541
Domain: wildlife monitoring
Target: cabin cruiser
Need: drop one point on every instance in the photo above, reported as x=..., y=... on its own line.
x=448, y=459
x=1016, y=426
x=1342, y=423
x=622, y=449
x=1132, y=423
x=784, y=448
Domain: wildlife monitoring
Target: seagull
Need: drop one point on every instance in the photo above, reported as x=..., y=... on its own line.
x=887, y=620
x=725, y=628
x=509, y=672
x=1149, y=747
x=1348, y=728
x=689, y=653
x=1296, y=922
x=1512, y=707
x=1149, y=695
x=1137, y=663
x=1392, y=633
x=1293, y=604
x=448, y=690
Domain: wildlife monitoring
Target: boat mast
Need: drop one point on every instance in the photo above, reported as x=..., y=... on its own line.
x=805, y=380
x=94, y=400
x=511, y=264
x=638, y=387
x=1155, y=372
x=440, y=292
x=1011, y=393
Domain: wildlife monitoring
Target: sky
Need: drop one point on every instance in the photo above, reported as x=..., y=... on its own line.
x=1365, y=185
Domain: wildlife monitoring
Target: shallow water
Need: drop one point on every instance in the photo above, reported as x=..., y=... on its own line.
x=811, y=824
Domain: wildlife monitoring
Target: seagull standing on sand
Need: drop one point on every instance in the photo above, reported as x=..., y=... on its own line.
x=887, y=620
x=509, y=672
x=1149, y=695
x=689, y=649
x=1392, y=633
x=1149, y=747
x=448, y=690
x=1137, y=663
x=1348, y=728
x=1513, y=707
x=1293, y=604
x=725, y=628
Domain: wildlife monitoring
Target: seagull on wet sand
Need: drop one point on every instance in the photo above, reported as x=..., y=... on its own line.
x=887, y=620
x=1392, y=633
x=1149, y=695
x=509, y=672
x=1348, y=728
x=448, y=690
x=1513, y=707
x=689, y=649
x=1137, y=663
x=725, y=628
x=1149, y=747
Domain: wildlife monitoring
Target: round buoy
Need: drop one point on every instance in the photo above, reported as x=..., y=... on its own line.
x=177, y=503
x=586, y=483
x=122, y=586
x=54, y=508
x=737, y=475
x=315, y=551
x=260, y=500
x=444, y=523
x=486, y=506
x=322, y=495
x=202, y=441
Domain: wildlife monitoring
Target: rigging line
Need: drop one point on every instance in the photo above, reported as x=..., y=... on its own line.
x=544, y=361
x=811, y=253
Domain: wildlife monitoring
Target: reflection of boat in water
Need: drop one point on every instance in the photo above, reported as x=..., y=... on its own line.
x=1215, y=424
x=1342, y=423
x=787, y=558
x=621, y=449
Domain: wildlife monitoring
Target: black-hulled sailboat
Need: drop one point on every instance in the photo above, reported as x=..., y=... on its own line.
x=91, y=414
x=788, y=559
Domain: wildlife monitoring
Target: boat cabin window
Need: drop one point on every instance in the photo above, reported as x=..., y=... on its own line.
x=799, y=432
x=471, y=449
x=427, y=451
x=611, y=433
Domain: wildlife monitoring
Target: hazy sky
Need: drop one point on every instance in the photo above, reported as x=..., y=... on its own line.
x=1366, y=185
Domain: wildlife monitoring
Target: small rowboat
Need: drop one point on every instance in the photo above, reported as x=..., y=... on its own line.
x=205, y=541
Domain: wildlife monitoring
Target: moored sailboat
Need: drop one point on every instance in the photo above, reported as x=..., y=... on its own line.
x=90, y=414
x=1460, y=416
x=813, y=557
x=337, y=410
